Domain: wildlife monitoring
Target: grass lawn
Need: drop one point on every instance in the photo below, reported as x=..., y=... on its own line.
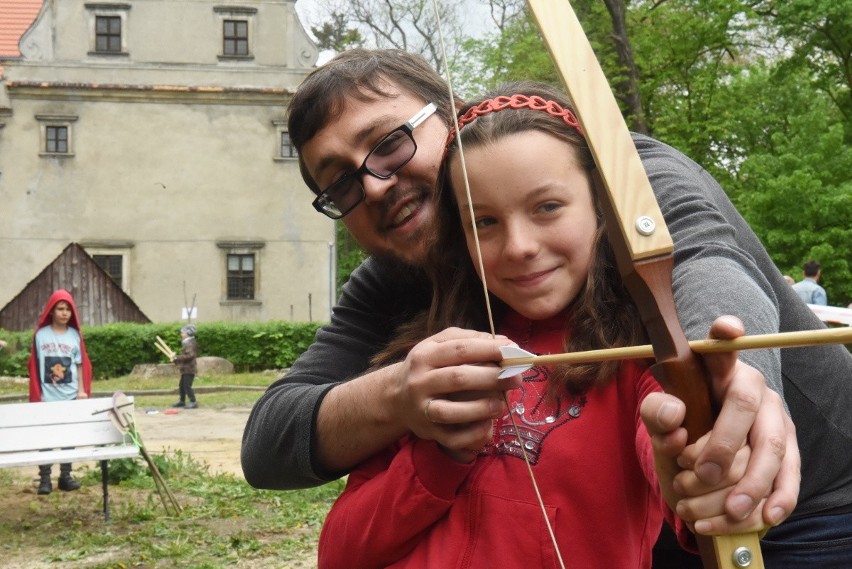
x=224, y=523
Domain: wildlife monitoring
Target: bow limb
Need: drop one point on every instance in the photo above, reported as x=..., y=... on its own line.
x=641, y=241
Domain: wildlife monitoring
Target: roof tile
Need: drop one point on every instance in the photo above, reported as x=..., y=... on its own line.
x=15, y=17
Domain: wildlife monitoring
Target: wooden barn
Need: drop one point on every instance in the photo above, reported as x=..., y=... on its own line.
x=98, y=298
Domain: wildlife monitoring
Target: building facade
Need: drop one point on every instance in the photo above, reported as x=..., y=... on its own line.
x=153, y=133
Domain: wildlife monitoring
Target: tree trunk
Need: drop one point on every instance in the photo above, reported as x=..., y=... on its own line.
x=628, y=89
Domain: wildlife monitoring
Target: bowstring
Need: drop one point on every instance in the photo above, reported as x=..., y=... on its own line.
x=480, y=263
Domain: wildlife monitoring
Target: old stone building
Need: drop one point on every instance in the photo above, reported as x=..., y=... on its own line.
x=152, y=133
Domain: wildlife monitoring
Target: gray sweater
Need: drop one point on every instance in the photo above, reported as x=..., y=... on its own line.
x=720, y=268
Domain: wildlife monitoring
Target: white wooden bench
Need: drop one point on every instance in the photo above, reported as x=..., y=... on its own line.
x=64, y=431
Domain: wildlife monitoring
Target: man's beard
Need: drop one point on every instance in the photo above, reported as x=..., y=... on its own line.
x=398, y=267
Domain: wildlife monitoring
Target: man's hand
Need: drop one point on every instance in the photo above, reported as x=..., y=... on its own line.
x=445, y=390
x=750, y=414
x=448, y=390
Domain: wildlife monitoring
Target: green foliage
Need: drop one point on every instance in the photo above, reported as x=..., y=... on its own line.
x=349, y=255
x=517, y=53
x=14, y=357
x=115, y=348
x=335, y=35
x=122, y=469
x=818, y=34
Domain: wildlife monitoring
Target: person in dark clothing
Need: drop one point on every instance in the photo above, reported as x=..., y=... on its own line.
x=187, y=363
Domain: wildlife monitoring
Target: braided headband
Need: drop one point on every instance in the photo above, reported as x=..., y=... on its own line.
x=534, y=103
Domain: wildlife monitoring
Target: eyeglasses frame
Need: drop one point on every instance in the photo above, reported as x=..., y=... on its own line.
x=322, y=199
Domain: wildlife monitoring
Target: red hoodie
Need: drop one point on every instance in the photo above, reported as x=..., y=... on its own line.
x=412, y=507
x=46, y=320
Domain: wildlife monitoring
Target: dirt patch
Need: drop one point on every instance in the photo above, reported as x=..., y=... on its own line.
x=209, y=435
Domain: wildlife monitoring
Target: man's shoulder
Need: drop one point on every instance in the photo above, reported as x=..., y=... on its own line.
x=386, y=280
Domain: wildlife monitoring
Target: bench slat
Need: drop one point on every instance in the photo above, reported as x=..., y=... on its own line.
x=83, y=454
x=61, y=412
x=16, y=439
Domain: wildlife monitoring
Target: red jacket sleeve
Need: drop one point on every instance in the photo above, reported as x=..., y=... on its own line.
x=389, y=502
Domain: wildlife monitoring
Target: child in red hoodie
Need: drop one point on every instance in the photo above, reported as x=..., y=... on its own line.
x=59, y=369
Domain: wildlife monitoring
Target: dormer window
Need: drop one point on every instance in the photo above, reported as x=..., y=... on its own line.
x=237, y=31
x=107, y=28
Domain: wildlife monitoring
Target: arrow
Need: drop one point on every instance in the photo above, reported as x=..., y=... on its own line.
x=517, y=360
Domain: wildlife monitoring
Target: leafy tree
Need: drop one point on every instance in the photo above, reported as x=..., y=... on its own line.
x=818, y=33
x=405, y=24
x=335, y=35
x=789, y=173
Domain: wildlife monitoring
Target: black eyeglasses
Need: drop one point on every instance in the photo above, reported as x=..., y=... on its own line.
x=390, y=154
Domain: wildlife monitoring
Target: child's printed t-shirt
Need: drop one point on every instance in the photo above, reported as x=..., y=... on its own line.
x=58, y=363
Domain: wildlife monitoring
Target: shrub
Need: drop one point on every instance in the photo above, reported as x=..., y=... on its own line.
x=115, y=348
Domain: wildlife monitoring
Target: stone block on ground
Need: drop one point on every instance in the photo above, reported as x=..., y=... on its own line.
x=207, y=365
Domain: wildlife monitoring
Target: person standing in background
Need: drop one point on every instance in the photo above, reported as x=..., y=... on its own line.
x=186, y=361
x=807, y=288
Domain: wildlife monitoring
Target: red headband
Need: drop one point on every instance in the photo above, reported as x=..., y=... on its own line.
x=534, y=103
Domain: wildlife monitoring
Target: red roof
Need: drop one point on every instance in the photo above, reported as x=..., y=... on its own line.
x=15, y=17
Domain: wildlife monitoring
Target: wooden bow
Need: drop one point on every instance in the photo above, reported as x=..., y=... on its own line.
x=641, y=241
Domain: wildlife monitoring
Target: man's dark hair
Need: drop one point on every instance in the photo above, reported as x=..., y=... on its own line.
x=361, y=74
x=811, y=268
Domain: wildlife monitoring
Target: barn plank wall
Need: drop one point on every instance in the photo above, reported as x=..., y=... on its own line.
x=99, y=300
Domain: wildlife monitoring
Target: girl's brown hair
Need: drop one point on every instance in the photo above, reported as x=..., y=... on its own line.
x=601, y=316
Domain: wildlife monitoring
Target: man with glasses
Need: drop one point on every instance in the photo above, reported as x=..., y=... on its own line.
x=384, y=160
x=370, y=148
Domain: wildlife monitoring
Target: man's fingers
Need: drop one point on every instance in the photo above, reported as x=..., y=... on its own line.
x=705, y=515
x=785, y=493
x=443, y=411
x=723, y=328
x=740, y=406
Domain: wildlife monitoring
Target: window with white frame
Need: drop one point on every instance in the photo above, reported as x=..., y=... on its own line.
x=56, y=136
x=237, y=28
x=107, y=28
